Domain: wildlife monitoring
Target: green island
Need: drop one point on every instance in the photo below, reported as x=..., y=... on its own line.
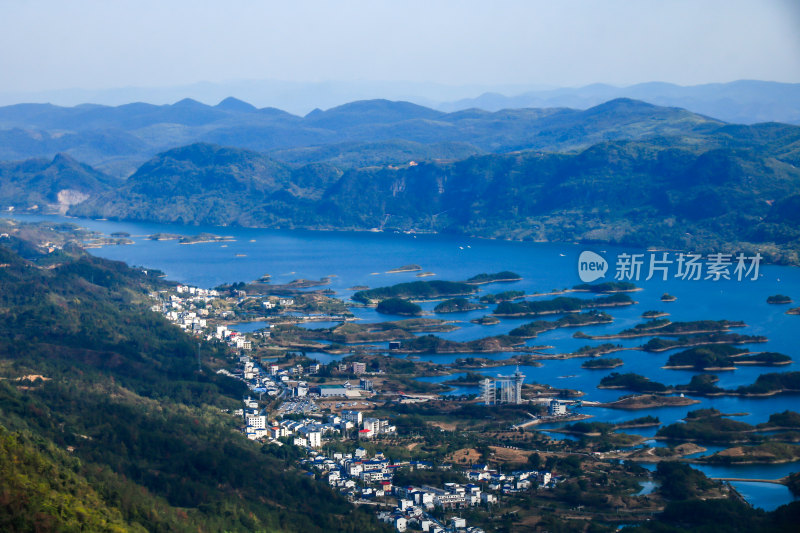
x=434, y=344
x=654, y=314
x=505, y=296
x=659, y=454
x=714, y=357
x=704, y=385
x=709, y=426
x=107, y=241
x=473, y=363
x=785, y=420
x=649, y=401
x=607, y=287
x=764, y=453
x=487, y=320
x=631, y=381
x=164, y=237
x=793, y=311
x=398, y=306
x=415, y=290
x=533, y=329
x=468, y=379
x=597, y=351
x=561, y=304
x=203, y=238
x=723, y=357
x=774, y=383
x=405, y=268
x=497, y=277
x=665, y=327
x=355, y=332
x=779, y=299
x=602, y=363
x=657, y=344
x=602, y=435
x=666, y=297
x=457, y=305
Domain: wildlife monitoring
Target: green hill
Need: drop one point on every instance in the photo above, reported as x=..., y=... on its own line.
x=106, y=425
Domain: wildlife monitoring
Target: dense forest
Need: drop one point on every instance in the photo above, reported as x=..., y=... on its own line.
x=106, y=424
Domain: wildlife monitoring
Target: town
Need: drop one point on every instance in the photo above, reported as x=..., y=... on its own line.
x=325, y=421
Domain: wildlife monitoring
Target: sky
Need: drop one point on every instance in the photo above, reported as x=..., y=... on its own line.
x=52, y=45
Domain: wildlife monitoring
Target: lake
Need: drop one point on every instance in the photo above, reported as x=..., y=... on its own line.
x=363, y=258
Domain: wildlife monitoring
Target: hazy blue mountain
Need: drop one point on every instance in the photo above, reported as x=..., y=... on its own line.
x=119, y=139
x=744, y=101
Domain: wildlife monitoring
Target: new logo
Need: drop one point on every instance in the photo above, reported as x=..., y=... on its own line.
x=591, y=266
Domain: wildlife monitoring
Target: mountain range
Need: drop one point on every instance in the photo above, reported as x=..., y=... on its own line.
x=742, y=101
x=623, y=172
x=118, y=139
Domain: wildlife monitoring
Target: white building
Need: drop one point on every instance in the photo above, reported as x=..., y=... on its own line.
x=352, y=416
x=256, y=421
x=314, y=439
x=557, y=408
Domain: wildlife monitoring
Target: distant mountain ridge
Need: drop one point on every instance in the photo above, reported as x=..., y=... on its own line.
x=118, y=139
x=624, y=172
x=736, y=192
x=741, y=102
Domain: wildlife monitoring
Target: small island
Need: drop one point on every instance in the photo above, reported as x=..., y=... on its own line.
x=657, y=344
x=561, y=304
x=416, y=290
x=608, y=287
x=505, y=296
x=498, y=277
x=793, y=311
x=711, y=426
x=107, y=241
x=597, y=351
x=602, y=364
x=398, y=306
x=649, y=401
x=404, y=268
x=667, y=297
x=457, y=305
x=470, y=379
x=163, y=237
x=631, y=381
x=202, y=238
x=779, y=299
x=765, y=453
x=487, y=320
x=425, y=274
x=532, y=329
x=716, y=357
x=432, y=344
x=654, y=314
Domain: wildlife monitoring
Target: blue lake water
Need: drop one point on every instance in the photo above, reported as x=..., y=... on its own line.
x=363, y=258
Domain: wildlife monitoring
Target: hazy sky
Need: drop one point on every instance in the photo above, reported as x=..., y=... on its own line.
x=57, y=44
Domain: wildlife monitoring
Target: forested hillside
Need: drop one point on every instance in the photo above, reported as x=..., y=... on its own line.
x=106, y=424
